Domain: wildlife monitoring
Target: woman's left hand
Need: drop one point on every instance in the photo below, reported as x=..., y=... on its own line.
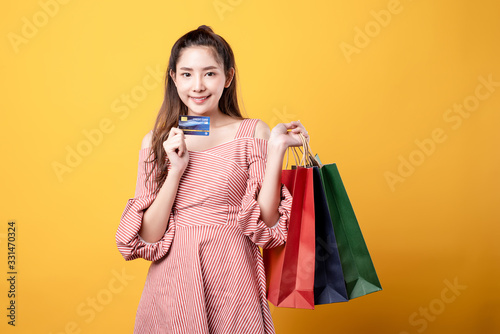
x=287, y=134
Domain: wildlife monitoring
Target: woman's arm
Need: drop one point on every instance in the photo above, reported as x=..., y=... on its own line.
x=156, y=217
x=278, y=141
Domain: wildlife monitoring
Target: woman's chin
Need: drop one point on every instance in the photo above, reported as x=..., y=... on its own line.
x=200, y=110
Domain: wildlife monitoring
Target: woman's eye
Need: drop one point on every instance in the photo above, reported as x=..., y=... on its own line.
x=210, y=74
x=186, y=74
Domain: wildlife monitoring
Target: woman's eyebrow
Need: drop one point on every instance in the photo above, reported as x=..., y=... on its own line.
x=204, y=68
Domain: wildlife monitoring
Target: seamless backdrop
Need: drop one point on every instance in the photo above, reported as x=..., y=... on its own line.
x=403, y=95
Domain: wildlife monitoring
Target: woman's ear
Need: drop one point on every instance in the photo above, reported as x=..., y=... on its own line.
x=230, y=76
x=172, y=75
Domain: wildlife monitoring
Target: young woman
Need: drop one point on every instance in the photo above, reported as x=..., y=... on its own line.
x=204, y=204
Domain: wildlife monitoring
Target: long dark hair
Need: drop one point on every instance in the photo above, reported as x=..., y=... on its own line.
x=172, y=106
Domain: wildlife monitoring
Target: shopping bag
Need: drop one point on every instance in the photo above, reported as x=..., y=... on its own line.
x=359, y=273
x=329, y=285
x=290, y=267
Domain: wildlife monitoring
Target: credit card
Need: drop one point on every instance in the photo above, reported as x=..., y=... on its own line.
x=195, y=125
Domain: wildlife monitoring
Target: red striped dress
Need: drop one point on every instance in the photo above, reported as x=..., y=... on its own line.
x=207, y=273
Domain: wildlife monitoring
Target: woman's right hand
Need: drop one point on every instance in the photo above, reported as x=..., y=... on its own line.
x=177, y=153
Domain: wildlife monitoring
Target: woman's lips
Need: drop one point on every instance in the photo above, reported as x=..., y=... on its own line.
x=200, y=99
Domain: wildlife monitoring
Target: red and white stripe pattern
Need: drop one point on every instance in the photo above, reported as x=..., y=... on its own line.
x=207, y=274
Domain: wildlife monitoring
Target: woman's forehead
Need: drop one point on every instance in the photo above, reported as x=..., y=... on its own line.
x=198, y=57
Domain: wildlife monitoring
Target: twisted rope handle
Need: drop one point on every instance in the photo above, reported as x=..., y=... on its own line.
x=307, y=154
x=308, y=159
x=295, y=156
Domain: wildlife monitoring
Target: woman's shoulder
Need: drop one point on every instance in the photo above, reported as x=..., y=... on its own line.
x=147, y=140
x=262, y=130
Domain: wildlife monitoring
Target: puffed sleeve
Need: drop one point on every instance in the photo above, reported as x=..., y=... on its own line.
x=249, y=219
x=129, y=243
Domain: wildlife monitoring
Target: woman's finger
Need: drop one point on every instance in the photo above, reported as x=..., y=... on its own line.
x=295, y=128
x=179, y=140
x=175, y=142
x=182, y=145
x=299, y=130
x=294, y=125
x=291, y=125
x=176, y=132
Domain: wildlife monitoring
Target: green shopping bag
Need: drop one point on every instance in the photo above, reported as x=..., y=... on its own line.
x=359, y=273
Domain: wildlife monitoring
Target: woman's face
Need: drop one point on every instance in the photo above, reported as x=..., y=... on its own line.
x=200, y=80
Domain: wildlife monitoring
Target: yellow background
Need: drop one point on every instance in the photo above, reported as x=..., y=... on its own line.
x=367, y=109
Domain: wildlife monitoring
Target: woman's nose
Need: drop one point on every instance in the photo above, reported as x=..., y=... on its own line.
x=198, y=84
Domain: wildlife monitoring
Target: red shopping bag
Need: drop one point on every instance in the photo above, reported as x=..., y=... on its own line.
x=290, y=267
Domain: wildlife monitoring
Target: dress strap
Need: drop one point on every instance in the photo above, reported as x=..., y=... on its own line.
x=247, y=128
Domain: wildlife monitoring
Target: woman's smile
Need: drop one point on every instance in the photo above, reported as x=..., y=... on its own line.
x=200, y=99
